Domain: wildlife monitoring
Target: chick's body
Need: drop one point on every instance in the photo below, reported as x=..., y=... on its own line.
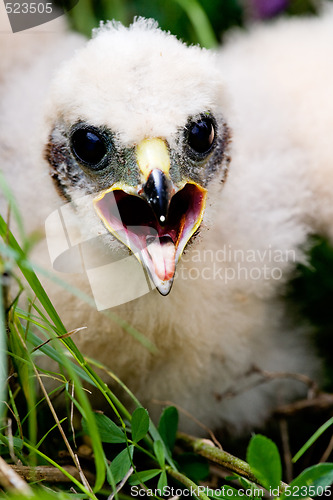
x=225, y=313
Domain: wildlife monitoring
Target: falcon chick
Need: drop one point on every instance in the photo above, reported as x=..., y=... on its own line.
x=138, y=134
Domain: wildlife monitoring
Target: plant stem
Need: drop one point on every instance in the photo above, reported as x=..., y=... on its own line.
x=207, y=449
x=192, y=487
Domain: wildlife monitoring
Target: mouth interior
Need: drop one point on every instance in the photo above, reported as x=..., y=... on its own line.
x=131, y=219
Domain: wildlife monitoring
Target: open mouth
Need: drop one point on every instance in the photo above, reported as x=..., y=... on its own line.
x=158, y=244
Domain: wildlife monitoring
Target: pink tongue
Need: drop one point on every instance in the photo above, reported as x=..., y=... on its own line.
x=163, y=257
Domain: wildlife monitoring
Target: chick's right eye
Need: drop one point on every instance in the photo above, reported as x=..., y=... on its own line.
x=89, y=147
x=201, y=135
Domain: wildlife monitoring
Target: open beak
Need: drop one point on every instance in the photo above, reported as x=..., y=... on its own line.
x=157, y=218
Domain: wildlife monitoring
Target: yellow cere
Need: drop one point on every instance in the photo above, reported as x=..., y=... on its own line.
x=152, y=153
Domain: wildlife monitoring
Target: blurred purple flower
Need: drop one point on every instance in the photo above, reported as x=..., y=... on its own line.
x=263, y=9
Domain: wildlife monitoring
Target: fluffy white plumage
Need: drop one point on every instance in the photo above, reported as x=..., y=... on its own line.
x=273, y=86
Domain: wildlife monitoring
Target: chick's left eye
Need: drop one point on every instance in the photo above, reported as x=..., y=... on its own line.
x=88, y=146
x=201, y=135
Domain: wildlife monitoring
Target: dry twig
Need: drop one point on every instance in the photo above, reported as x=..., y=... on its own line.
x=49, y=474
x=11, y=481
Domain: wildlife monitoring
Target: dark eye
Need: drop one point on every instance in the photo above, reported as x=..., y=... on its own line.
x=201, y=135
x=89, y=146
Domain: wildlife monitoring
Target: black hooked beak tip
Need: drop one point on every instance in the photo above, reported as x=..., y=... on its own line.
x=158, y=192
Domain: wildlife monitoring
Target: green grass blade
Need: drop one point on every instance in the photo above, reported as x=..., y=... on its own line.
x=5, y=189
x=30, y=276
x=46, y=303
x=152, y=428
x=64, y=471
x=200, y=22
x=3, y=349
x=312, y=439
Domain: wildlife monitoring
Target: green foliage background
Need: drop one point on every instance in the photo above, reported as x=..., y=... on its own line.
x=195, y=21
